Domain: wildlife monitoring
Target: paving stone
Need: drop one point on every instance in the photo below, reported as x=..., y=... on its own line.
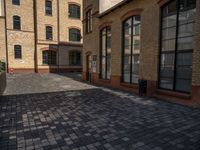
x=87, y=117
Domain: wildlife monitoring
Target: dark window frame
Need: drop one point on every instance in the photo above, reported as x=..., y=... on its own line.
x=18, y=51
x=49, y=57
x=74, y=11
x=49, y=33
x=74, y=35
x=176, y=52
x=131, y=55
x=75, y=58
x=48, y=8
x=16, y=22
x=16, y=2
x=88, y=20
x=107, y=28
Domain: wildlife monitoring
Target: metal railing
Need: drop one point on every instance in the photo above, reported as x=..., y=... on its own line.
x=2, y=66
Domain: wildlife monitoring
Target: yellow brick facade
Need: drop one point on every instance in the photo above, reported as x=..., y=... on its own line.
x=149, y=53
x=32, y=36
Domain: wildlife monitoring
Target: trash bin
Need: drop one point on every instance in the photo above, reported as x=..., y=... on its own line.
x=142, y=87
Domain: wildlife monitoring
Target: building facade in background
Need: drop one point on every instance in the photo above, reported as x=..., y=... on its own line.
x=41, y=35
x=156, y=41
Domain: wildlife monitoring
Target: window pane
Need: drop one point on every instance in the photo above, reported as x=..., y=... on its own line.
x=168, y=45
x=184, y=59
x=166, y=83
x=187, y=16
x=126, y=67
x=169, y=21
x=74, y=35
x=103, y=67
x=108, y=66
x=170, y=9
x=167, y=66
x=16, y=2
x=186, y=30
x=169, y=33
x=185, y=43
x=74, y=11
x=18, y=52
x=135, y=68
x=48, y=7
x=183, y=85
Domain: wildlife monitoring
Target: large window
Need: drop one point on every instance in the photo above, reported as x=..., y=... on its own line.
x=16, y=23
x=49, y=57
x=48, y=7
x=131, y=50
x=74, y=11
x=18, y=51
x=74, y=35
x=105, y=53
x=49, y=33
x=88, y=25
x=178, y=20
x=16, y=2
x=75, y=58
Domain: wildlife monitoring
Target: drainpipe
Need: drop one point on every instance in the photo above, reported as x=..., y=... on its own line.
x=58, y=33
x=6, y=38
x=35, y=34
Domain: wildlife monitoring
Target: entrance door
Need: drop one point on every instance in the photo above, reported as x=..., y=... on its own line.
x=89, y=67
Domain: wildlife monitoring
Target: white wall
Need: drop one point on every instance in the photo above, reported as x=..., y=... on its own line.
x=106, y=4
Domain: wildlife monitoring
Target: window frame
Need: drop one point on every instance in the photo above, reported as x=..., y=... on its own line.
x=88, y=19
x=50, y=55
x=131, y=55
x=16, y=22
x=72, y=55
x=16, y=2
x=176, y=52
x=19, y=49
x=78, y=36
x=48, y=9
x=107, y=28
x=49, y=33
x=77, y=14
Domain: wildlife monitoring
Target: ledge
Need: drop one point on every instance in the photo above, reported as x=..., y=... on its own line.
x=174, y=94
x=134, y=86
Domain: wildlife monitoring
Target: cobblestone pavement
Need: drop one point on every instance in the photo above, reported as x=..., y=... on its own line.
x=94, y=118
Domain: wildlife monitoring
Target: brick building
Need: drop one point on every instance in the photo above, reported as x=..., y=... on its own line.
x=157, y=41
x=41, y=35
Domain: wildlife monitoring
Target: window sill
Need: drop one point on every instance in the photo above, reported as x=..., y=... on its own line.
x=49, y=65
x=134, y=86
x=173, y=94
x=104, y=80
x=78, y=19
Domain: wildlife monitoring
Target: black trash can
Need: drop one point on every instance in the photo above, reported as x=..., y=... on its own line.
x=142, y=87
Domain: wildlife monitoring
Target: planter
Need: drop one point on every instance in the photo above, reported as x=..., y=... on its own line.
x=2, y=82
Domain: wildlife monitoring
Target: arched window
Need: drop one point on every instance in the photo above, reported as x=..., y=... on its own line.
x=48, y=7
x=131, y=49
x=177, y=28
x=74, y=11
x=49, y=33
x=105, y=53
x=49, y=57
x=88, y=19
x=18, y=51
x=16, y=23
x=75, y=58
x=74, y=35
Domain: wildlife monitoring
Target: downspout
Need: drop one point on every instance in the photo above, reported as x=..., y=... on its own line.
x=58, y=32
x=6, y=38
x=35, y=34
